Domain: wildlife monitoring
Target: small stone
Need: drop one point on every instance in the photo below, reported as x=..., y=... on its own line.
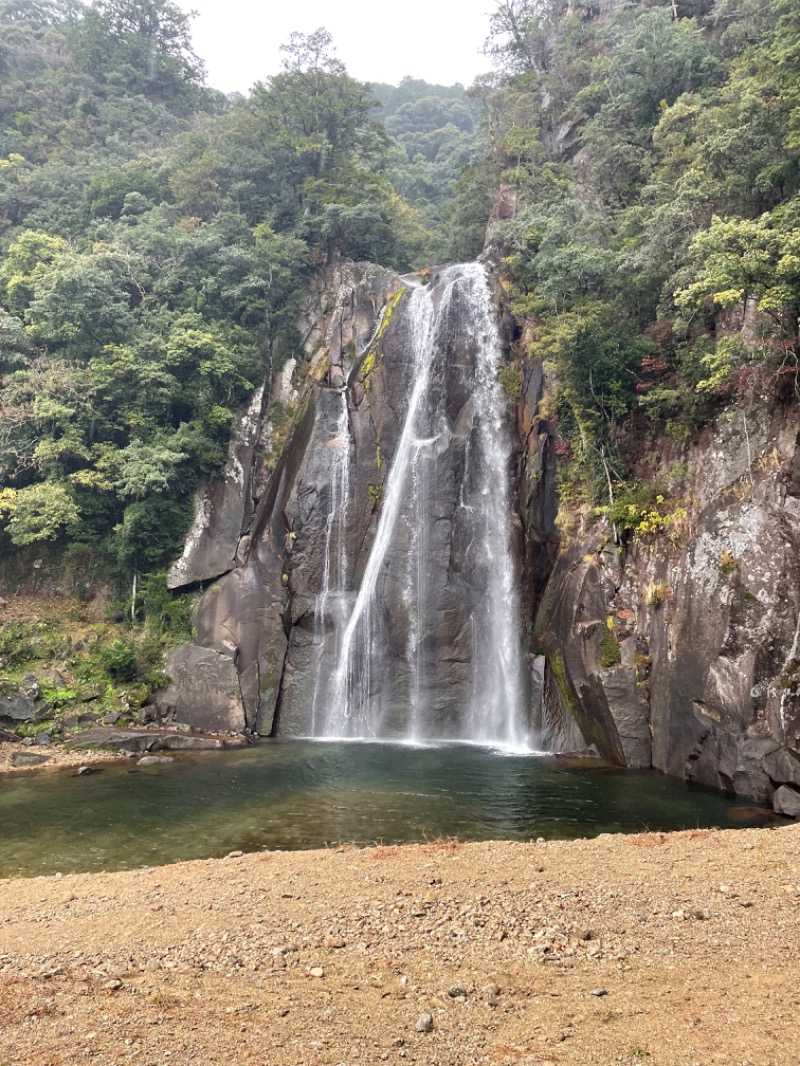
x=152, y=966
x=84, y=771
x=599, y=992
x=154, y=760
x=317, y=971
x=113, y=985
x=234, y=855
x=424, y=1023
x=457, y=992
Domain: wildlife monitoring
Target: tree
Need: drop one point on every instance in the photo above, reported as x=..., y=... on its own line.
x=143, y=44
x=39, y=512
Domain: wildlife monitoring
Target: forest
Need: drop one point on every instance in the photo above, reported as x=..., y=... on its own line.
x=636, y=163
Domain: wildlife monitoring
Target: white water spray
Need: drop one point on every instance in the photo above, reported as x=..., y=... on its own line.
x=487, y=707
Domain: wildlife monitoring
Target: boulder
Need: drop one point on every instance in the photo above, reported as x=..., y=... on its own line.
x=17, y=708
x=786, y=801
x=28, y=758
x=783, y=766
x=204, y=689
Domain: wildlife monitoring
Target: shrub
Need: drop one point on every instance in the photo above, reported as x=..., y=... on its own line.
x=610, y=650
x=119, y=660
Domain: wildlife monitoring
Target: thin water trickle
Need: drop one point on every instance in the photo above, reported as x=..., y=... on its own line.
x=330, y=611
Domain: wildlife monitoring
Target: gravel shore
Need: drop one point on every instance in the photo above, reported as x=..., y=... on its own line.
x=679, y=948
x=53, y=754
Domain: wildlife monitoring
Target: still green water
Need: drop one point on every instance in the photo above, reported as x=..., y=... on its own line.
x=296, y=794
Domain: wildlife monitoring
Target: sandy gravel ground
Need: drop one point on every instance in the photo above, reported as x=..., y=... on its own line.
x=664, y=949
x=55, y=755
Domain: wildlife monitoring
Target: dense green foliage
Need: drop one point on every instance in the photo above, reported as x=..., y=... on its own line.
x=155, y=236
x=650, y=168
x=154, y=241
x=437, y=134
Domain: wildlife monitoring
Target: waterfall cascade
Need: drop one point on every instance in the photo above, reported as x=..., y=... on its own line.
x=406, y=607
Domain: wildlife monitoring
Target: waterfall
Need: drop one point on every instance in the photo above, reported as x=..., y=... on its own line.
x=439, y=573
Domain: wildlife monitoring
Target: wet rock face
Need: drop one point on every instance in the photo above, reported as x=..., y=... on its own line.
x=422, y=623
x=698, y=674
x=265, y=623
x=231, y=676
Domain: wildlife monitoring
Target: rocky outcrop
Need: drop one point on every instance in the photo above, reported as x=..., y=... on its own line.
x=679, y=652
x=682, y=652
x=134, y=740
x=223, y=507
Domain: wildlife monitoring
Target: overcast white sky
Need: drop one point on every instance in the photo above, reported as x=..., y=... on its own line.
x=438, y=40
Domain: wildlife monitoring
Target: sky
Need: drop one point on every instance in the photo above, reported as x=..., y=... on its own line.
x=437, y=40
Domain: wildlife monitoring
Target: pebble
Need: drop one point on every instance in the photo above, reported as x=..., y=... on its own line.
x=599, y=992
x=457, y=992
x=154, y=760
x=317, y=971
x=424, y=1023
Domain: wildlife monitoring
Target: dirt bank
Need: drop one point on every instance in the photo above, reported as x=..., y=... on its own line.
x=666, y=949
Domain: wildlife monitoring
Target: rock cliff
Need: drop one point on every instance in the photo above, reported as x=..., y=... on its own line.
x=231, y=677
x=681, y=653
x=262, y=657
